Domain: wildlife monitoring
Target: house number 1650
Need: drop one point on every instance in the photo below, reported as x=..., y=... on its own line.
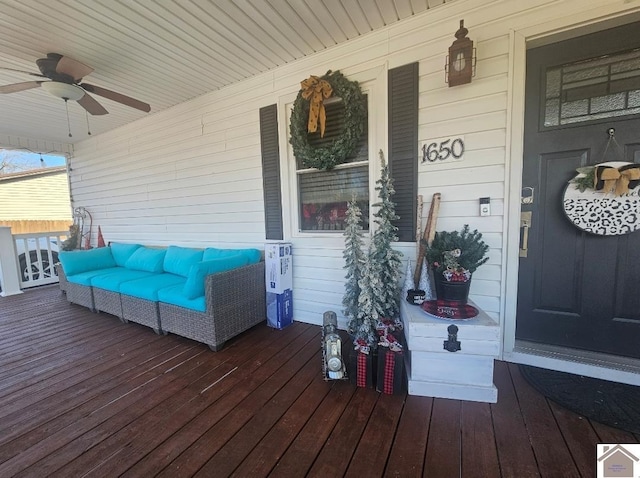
x=443, y=149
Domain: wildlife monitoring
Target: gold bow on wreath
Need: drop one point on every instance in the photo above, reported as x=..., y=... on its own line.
x=617, y=180
x=315, y=90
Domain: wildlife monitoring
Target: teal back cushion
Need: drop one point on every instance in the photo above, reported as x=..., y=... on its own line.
x=194, y=287
x=121, y=252
x=179, y=260
x=146, y=259
x=75, y=262
x=253, y=255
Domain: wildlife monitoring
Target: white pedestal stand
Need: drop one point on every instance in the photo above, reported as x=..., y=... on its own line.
x=466, y=374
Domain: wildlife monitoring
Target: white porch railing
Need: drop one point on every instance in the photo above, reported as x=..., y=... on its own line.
x=37, y=253
x=27, y=260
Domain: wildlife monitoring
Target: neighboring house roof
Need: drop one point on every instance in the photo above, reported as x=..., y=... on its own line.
x=32, y=172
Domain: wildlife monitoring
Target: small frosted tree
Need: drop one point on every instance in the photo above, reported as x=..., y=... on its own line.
x=354, y=264
x=385, y=261
x=379, y=284
x=368, y=315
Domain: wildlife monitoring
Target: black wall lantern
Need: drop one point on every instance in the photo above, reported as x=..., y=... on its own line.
x=461, y=61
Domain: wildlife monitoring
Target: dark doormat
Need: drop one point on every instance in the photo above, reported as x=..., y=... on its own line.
x=614, y=404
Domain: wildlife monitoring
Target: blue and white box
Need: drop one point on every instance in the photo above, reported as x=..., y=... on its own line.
x=279, y=284
x=280, y=309
x=278, y=267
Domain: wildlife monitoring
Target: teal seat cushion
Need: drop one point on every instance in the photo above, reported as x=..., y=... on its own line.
x=147, y=288
x=194, y=286
x=178, y=260
x=85, y=278
x=253, y=255
x=111, y=281
x=146, y=259
x=75, y=262
x=175, y=295
x=121, y=252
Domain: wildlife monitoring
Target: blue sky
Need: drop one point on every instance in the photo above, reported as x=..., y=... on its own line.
x=25, y=160
x=49, y=159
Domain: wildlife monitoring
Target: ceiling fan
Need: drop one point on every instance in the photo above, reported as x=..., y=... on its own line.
x=64, y=76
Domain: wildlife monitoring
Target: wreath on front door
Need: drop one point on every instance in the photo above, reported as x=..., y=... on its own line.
x=308, y=113
x=604, y=199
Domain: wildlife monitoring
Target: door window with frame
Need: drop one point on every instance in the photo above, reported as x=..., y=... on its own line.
x=593, y=89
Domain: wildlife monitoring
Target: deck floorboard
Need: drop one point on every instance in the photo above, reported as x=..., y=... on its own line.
x=82, y=394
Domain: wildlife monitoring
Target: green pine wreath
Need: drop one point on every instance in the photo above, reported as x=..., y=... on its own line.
x=327, y=157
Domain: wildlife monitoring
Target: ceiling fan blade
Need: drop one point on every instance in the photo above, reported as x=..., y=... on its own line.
x=91, y=105
x=22, y=71
x=74, y=68
x=15, y=87
x=120, y=98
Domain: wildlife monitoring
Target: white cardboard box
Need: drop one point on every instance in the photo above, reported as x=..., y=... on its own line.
x=278, y=267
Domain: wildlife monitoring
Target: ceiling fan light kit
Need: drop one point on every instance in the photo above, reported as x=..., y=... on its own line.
x=64, y=76
x=63, y=90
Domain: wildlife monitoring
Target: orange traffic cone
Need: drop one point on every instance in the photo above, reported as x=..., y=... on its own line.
x=100, y=238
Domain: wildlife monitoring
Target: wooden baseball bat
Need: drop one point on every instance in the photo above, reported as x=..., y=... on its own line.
x=429, y=234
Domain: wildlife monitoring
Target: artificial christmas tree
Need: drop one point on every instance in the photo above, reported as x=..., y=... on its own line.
x=385, y=261
x=425, y=281
x=354, y=264
x=378, y=287
x=407, y=285
x=362, y=360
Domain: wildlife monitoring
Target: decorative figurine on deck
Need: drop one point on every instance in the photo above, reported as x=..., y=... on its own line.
x=333, y=365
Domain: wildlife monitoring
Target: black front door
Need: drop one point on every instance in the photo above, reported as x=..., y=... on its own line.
x=577, y=289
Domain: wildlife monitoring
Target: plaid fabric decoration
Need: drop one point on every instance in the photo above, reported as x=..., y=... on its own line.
x=390, y=372
x=361, y=380
x=389, y=369
x=449, y=309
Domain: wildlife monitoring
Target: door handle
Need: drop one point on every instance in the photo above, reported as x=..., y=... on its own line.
x=525, y=225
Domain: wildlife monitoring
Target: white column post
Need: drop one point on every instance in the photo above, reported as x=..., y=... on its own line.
x=8, y=264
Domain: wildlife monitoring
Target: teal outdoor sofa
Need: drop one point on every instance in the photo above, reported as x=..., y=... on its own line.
x=209, y=295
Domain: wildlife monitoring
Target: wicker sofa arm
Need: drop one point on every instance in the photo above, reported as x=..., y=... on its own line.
x=62, y=278
x=236, y=300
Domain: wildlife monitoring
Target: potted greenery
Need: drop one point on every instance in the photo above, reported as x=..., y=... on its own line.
x=454, y=257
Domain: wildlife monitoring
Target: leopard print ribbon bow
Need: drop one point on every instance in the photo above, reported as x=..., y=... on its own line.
x=618, y=180
x=316, y=90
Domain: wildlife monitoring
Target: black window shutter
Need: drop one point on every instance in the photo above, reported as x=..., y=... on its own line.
x=271, y=172
x=403, y=146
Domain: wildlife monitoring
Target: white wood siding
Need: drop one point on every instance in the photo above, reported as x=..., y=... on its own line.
x=191, y=175
x=43, y=197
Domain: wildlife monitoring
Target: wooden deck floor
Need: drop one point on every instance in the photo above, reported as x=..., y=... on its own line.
x=82, y=394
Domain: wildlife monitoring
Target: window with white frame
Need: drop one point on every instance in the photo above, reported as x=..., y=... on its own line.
x=323, y=195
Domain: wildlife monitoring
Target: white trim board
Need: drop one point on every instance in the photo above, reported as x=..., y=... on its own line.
x=581, y=362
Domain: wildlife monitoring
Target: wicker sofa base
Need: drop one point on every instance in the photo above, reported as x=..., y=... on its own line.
x=107, y=301
x=141, y=311
x=236, y=301
x=202, y=327
x=80, y=294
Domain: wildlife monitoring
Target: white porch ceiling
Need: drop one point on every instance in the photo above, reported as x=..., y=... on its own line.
x=165, y=52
